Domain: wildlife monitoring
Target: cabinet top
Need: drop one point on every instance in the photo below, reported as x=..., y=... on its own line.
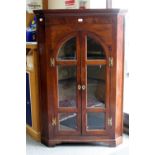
x=80, y=12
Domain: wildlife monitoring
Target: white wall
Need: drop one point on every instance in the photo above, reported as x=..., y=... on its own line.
x=97, y=4
x=123, y=4
x=56, y=4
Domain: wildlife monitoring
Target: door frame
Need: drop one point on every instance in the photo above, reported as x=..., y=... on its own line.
x=81, y=63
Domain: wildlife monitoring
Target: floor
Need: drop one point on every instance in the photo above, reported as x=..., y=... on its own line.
x=36, y=148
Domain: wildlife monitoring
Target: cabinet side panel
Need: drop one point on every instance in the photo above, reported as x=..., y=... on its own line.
x=42, y=77
x=51, y=79
x=119, y=76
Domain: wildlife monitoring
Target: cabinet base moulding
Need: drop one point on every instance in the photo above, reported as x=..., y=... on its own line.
x=34, y=134
x=106, y=142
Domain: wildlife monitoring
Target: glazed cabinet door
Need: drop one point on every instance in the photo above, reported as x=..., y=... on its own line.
x=67, y=99
x=95, y=85
x=80, y=84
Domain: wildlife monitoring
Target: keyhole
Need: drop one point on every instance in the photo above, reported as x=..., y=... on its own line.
x=80, y=20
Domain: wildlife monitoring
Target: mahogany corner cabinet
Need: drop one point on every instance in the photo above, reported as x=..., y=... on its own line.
x=81, y=68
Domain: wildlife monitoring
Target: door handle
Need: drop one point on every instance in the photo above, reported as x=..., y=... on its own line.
x=83, y=87
x=79, y=87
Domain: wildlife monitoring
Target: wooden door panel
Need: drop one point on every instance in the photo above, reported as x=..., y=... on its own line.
x=79, y=113
x=59, y=34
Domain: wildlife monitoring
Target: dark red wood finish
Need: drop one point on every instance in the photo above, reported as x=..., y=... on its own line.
x=54, y=28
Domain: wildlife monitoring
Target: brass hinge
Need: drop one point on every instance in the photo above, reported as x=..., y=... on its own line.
x=110, y=121
x=54, y=121
x=111, y=62
x=52, y=62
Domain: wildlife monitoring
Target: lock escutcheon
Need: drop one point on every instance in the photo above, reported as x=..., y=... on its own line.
x=40, y=19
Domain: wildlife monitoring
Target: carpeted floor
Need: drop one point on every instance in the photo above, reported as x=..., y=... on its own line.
x=36, y=148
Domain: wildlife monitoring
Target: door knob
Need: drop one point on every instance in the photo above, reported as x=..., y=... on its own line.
x=79, y=87
x=83, y=87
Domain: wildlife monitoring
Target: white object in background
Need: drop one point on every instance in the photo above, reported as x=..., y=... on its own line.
x=60, y=4
x=33, y=5
x=70, y=4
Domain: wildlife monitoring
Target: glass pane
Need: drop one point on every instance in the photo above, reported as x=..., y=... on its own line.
x=95, y=120
x=96, y=89
x=94, y=49
x=68, y=121
x=68, y=50
x=67, y=86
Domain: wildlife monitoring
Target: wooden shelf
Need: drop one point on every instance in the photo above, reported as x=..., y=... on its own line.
x=32, y=68
x=31, y=45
